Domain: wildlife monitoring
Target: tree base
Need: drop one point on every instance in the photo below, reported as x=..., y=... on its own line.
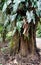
x=28, y=60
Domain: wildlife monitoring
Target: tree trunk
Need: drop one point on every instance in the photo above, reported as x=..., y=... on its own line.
x=23, y=47
x=29, y=45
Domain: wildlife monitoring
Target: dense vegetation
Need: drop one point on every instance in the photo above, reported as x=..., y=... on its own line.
x=18, y=21
x=38, y=33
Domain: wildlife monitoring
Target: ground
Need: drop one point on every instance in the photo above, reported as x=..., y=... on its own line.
x=6, y=59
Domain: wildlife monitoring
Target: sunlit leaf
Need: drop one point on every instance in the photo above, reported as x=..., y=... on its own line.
x=13, y=32
x=1, y=28
x=30, y=16
x=6, y=21
x=18, y=1
x=9, y=34
x=15, y=6
x=12, y=17
x=19, y=25
x=4, y=7
x=8, y=2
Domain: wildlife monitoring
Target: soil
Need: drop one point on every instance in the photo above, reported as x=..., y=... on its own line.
x=7, y=59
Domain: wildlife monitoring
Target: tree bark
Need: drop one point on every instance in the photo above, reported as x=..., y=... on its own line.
x=23, y=47
x=28, y=45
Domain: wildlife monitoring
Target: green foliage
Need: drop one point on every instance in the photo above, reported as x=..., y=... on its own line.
x=13, y=11
x=19, y=25
x=10, y=34
x=38, y=33
x=30, y=16
x=0, y=64
x=1, y=28
x=11, y=7
x=11, y=44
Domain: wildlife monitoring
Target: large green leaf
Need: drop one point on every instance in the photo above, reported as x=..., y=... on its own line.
x=39, y=7
x=15, y=6
x=11, y=33
x=30, y=16
x=18, y=1
x=1, y=28
x=6, y=5
x=6, y=22
x=2, y=17
x=19, y=25
x=8, y=2
x=12, y=17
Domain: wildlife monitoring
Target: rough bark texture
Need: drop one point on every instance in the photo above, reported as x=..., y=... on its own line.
x=29, y=45
x=23, y=47
x=14, y=44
